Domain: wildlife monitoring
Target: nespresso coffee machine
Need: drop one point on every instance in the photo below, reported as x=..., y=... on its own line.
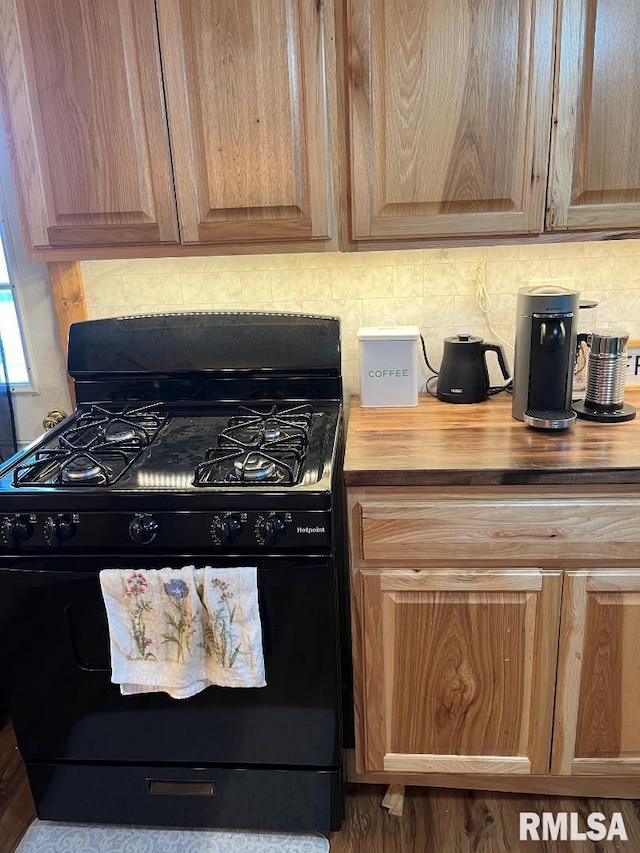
x=545, y=349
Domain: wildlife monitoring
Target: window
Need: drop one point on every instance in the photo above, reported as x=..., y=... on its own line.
x=10, y=333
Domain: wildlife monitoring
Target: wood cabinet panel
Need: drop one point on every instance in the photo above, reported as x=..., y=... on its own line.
x=449, y=107
x=596, y=158
x=449, y=662
x=248, y=116
x=440, y=530
x=83, y=105
x=598, y=676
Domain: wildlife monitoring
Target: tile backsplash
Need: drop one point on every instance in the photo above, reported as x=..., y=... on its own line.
x=434, y=289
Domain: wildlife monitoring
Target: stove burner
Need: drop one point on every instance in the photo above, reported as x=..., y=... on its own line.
x=271, y=433
x=120, y=431
x=255, y=466
x=82, y=469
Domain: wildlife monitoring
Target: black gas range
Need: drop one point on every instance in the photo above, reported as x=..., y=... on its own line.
x=204, y=439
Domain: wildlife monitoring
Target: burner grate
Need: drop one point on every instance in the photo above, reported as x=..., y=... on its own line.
x=131, y=429
x=258, y=448
x=66, y=467
x=96, y=450
x=247, y=468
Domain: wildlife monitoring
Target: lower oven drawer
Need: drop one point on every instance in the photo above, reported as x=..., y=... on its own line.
x=286, y=800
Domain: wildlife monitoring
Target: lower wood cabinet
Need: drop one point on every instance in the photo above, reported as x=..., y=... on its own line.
x=483, y=673
x=598, y=694
x=457, y=670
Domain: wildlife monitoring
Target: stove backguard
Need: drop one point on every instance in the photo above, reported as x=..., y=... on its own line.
x=199, y=357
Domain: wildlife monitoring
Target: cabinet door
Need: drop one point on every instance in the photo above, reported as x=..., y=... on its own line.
x=245, y=84
x=454, y=670
x=83, y=105
x=598, y=695
x=450, y=107
x=595, y=152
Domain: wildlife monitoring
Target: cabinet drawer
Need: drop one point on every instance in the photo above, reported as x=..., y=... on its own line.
x=442, y=530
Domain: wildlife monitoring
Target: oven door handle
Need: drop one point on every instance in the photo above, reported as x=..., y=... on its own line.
x=179, y=787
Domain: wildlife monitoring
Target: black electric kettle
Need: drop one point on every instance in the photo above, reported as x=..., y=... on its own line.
x=463, y=376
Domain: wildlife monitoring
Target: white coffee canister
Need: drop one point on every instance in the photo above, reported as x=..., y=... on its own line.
x=389, y=366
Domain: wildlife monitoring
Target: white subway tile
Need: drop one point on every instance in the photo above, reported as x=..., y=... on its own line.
x=449, y=278
x=626, y=272
x=407, y=281
x=405, y=312
x=331, y=260
x=301, y=284
x=362, y=282
x=550, y=251
x=502, y=253
x=394, y=257
x=103, y=290
x=348, y=310
x=510, y=276
x=611, y=248
x=214, y=287
x=256, y=286
x=179, y=265
x=470, y=255
x=586, y=274
x=141, y=289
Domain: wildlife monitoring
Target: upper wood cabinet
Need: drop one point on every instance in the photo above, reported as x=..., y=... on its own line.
x=245, y=135
x=142, y=127
x=83, y=105
x=595, y=153
x=247, y=104
x=449, y=110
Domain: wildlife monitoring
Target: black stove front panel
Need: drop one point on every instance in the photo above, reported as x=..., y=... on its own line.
x=222, y=531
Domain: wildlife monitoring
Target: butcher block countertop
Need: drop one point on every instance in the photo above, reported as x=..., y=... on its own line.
x=438, y=443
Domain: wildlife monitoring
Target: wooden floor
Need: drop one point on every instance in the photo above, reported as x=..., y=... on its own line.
x=434, y=821
x=449, y=821
x=16, y=805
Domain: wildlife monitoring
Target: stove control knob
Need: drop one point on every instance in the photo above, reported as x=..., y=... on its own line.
x=224, y=529
x=143, y=529
x=16, y=529
x=232, y=526
x=269, y=529
x=59, y=530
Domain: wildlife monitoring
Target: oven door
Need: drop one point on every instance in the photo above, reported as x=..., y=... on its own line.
x=56, y=673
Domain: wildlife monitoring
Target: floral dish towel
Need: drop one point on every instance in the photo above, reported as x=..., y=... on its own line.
x=181, y=630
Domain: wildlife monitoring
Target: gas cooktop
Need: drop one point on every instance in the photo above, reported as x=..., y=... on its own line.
x=155, y=447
